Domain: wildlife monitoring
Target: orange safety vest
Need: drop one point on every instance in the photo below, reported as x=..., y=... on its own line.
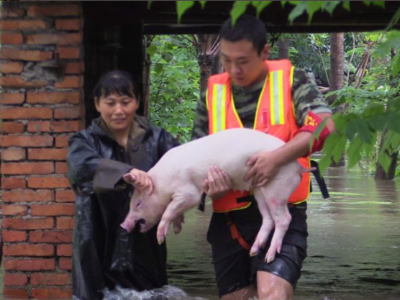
x=274, y=115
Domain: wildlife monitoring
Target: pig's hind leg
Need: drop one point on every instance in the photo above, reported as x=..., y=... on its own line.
x=180, y=203
x=267, y=223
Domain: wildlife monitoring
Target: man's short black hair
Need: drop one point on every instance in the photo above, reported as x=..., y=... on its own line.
x=247, y=28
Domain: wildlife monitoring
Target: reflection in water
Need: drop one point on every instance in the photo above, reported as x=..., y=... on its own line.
x=354, y=243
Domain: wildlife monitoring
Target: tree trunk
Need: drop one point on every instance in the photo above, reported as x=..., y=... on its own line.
x=336, y=75
x=207, y=56
x=380, y=174
x=283, y=48
x=337, y=63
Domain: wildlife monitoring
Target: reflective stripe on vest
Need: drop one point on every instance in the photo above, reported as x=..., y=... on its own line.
x=274, y=115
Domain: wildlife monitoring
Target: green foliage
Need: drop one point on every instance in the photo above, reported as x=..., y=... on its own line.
x=182, y=6
x=260, y=5
x=238, y=9
x=174, y=89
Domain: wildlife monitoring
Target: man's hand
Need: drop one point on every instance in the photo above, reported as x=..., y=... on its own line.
x=263, y=167
x=217, y=184
x=140, y=180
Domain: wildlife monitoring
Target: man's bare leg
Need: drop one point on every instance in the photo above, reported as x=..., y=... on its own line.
x=246, y=293
x=272, y=287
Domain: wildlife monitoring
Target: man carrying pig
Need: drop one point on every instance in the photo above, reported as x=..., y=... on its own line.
x=275, y=98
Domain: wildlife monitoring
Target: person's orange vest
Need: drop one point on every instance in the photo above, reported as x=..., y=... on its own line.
x=274, y=115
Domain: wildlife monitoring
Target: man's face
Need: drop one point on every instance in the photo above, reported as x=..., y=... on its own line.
x=242, y=61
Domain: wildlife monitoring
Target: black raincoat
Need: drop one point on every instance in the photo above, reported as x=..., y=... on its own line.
x=104, y=254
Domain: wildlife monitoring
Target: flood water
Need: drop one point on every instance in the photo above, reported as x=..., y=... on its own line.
x=354, y=243
x=353, y=253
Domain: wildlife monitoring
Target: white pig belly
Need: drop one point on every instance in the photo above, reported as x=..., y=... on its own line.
x=229, y=150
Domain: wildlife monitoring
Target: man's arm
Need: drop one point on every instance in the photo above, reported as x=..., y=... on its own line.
x=306, y=98
x=200, y=125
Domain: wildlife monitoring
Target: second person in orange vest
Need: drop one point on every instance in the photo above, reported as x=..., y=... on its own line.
x=275, y=98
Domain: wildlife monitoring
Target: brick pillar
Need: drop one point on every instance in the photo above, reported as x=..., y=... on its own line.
x=41, y=106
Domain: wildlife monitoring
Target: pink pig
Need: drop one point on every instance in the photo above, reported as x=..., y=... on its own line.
x=178, y=180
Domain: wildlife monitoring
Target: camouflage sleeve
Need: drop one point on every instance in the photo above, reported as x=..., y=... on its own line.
x=200, y=126
x=306, y=97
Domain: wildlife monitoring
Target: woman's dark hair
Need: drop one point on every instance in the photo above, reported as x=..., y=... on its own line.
x=115, y=82
x=246, y=28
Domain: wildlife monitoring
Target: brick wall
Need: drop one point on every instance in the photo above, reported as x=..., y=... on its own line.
x=41, y=106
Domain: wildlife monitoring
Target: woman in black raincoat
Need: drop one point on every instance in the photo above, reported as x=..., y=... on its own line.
x=117, y=143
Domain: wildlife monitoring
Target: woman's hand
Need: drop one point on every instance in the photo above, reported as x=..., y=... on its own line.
x=140, y=180
x=217, y=184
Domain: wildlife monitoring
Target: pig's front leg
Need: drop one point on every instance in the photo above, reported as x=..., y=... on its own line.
x=181, y=202
x=267, y=223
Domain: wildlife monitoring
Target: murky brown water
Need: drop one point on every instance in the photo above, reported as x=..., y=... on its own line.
x=354, y=243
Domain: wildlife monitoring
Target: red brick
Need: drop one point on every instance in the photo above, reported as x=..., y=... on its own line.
x=54, y=10
x=18, y=82
x=47, y=154
x=51, y=279
x=70, y=82
x=38, y=126
x=64, y=250
x=65, y=196
x=26, y=113
x=12, y=98
x=53, y=98
x=66, y=126
x=70, y=24
x=26, y=141
x=69, y=52
x=28, y=224
x=51, y=293
x=12, y=155
x=13, y=183
x=48, y=182
x=42, y=39
x=28, y=196
x=28, y=250
x=67, y=112
x=27, y=168
x=11, y=68
x=62, y=140
x=15, y=279
x=53, y=210
x=74, y=68
x=10, y=127
x=29, y=264
x=65, y=223
x=13, y=293
x=61, y=168
x=11, y=236
x=50, y=236
x=11, y=39
x=59, y=39
x=28, y=55
x=12, y=12
x=14, y=210
x=70, y=39
x=24, y=25
x=65, y=264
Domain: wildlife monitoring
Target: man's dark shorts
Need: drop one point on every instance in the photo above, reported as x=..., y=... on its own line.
x=235, y=269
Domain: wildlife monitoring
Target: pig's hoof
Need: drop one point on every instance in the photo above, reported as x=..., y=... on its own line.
x=160, y=240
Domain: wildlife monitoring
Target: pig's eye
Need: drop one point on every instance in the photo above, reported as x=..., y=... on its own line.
x=137, y=205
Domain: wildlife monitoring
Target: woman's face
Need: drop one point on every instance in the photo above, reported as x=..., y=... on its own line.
x=118, y=111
